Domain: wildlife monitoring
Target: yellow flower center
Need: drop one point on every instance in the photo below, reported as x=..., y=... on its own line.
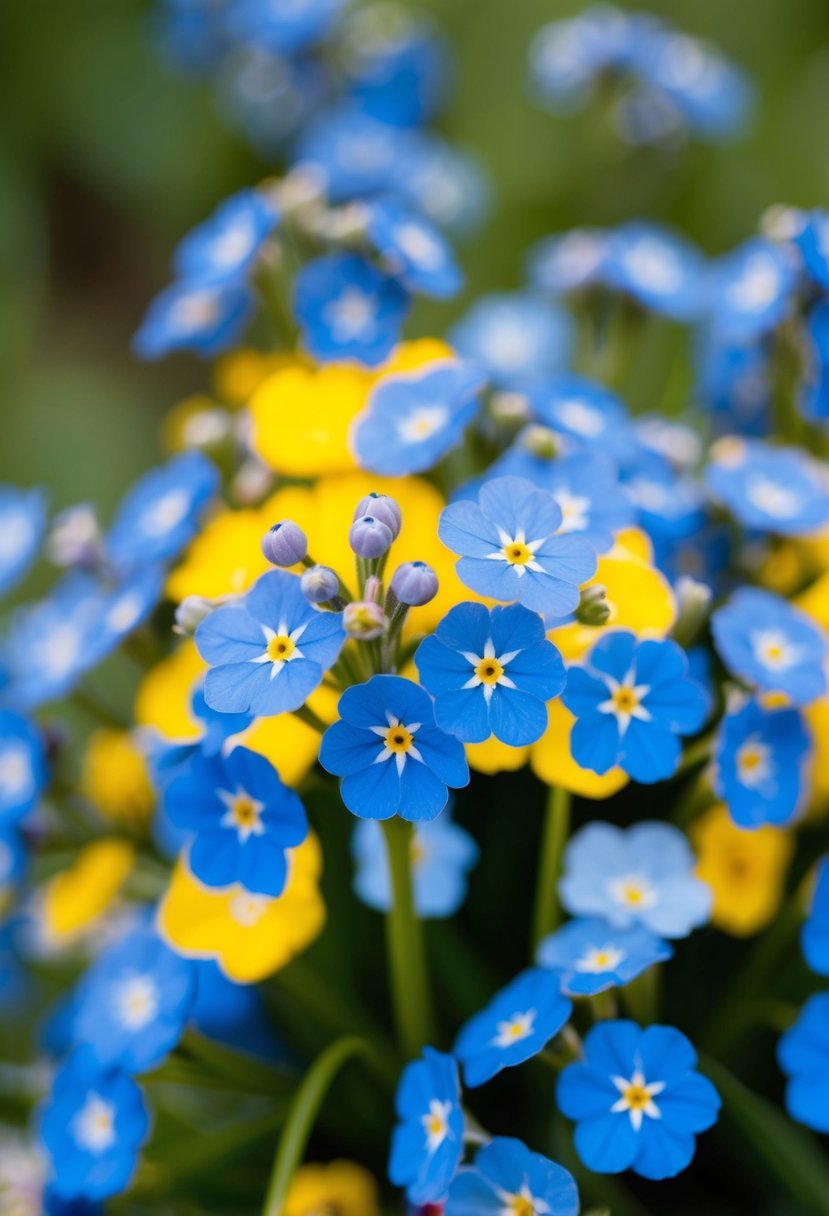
x=751, y=757
x=517, y=553
x=280, y=648
x=398, y=739
x=489, y=671
x=520, y=1205
x=636, y=1096
x=625, y=700
x=632, y=894
x=243, y=811
x=435, y=1125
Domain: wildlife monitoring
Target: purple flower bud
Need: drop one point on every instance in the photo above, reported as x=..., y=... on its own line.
x=369, y=537
x=382, y=508
x=319, y=584
x=414, y=583
x=364, y=620
x=285, y=544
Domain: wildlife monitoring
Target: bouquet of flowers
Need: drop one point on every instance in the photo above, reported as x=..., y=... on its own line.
x=452, y=843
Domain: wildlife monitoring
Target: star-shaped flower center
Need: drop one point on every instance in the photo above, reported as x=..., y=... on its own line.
x=625, y=700
x=243, y=814
x=488, y=671
x=775, y=650
x=398, y=741
x=517, y=553
x=436, y=1123
x=94, y=1125
x=753, y=762
x=633, y=892
x=514, y=1029
x=280, y=648
x=636, y=1098
x=598, y=959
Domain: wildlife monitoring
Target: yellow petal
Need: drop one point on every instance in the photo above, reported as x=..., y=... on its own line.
x=290, y=744
x=249, y=936
x=115, y=778
x=164, y=695
x=225, y=558
x=340, y=1187
x=550, y=759
x=79, y=895
x=493, y=756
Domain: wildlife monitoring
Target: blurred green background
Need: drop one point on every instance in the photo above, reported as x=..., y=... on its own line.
x=107, y=157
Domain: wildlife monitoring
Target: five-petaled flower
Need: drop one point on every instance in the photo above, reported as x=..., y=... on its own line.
x=428, y=1141
x=510, y=549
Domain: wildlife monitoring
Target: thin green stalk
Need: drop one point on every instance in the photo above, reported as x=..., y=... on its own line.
x=307, y=715
x=96, y=708
x=411, y=994
x=302, y=1115
x=554, y=838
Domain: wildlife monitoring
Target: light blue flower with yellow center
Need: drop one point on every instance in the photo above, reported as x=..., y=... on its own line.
x=771, y=645
x=392, y=757
x=640, y=876
x=777, y=490
x=659, y=269
x=224, y=248
x=427, y=1144
x=590, y=956
x=269, y=650
x=491, y=672
x=348, y=309
x=762, y=763
x=412, y=421
x=510, y=548
x=751, y=289
x=518, y=339
x=508, y=1180
x=517, y=1024
x=413, y=250
x=442, y=854
x=206, y=318
x=242, y=819
x=586, y=415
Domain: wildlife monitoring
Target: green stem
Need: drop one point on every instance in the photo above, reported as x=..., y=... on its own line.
x=301, y=1116
x=307, y=715
x=93, y=705
x=404, y=937
x=554, y=837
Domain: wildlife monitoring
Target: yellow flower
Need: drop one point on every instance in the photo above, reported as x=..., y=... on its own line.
x=815, y=601
x=237, y=376
x=339, y=1189
x=744, y=869
x=639, y=596
x=115, y=779
x=302, y=416
x=817, y=720
x=77, y=897
x=550, y=759
x=493, y=756
x=249, y=936
x=163, y=698
x=290, y=744
x=224, y=559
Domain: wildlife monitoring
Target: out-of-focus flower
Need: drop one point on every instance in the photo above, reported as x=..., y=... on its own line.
x=348, y=309
x=642, y=876
x=412, y=420
x=92, y=1128
x=803, y=1053
x=586, y=414
x=203, y=317
x=777, y=490
x=413, y=250
x=762, y=764
x=491, y=672
x=22, y=527
x=589, y=956
x=744, y=869
x=340, y=1186
x=76, y=898
x=442, y=855
x=662, y=271
x=391, y=756
x=552, y=760
x=814, y=936
x=249, y=936
x=750, y=290
x=115, y=777
x=517, y=339
x=516, y=1025
x=131, y=1007
x=637, y=1101
x=427, y=1145
x=770, y=645
x=223, y=249
x=507, y=1177
x=23, y=771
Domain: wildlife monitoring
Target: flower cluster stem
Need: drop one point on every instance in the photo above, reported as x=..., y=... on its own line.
x=409, y=981
x=554, y=838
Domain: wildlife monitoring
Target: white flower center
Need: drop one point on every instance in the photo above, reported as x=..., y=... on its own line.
x=15, y=770
x=165, y=514
x=775, y=650
x=776, y=500
x=243, y=814
x=637, y=1098
x=436, y=1124
x=195, y=311
x=653, y=266
x=580, y=417
x=633, y=891
x=514, y=1029
x=93, y=1126
x=136, y=1001
x=753, y=761
x=422, y=423
x=598, y=959
x=351, y=315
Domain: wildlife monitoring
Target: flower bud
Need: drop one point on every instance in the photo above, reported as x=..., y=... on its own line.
x=190, y=613
x=285, y=544
x=693, y=602
x=509, y=409
x=369, y=537
x=319, y=584
x=75, y=539
x=383, y=508
x=539, y=441
x=364, y=620
x=593, y=607
x=414, y=583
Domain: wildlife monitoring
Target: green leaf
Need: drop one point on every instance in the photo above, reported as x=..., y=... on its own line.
x=789, y=1152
